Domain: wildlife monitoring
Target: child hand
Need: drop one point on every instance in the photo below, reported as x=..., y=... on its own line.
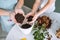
x=29, y=17
x=33, y=19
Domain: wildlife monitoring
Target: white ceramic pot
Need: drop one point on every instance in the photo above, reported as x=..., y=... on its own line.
x=26, y=31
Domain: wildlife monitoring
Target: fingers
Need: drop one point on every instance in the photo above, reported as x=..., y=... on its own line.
x=14, y=13
x=30, y=18
x=13, y=17
x=33, y=20
x=27, y=15
x=20, y=11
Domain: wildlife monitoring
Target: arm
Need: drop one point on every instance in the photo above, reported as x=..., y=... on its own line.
x=49, y=3
x=17, y=10
x=4, y=12
x=35, y=6
x=19, y=4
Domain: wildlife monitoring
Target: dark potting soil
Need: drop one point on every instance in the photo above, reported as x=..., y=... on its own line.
x=30, y=18
x=25, y=26
x=44, y=20
x=19, y=18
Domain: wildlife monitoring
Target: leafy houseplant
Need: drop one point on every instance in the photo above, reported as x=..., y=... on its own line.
x=39, y=31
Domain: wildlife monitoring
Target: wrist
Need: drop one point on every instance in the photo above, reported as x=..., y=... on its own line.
x=6, y=13
x=18, y=7
x=34, y=12
x=10, y=13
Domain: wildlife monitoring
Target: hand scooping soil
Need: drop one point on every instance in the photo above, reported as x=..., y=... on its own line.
x=29, y=18
x=19, y=18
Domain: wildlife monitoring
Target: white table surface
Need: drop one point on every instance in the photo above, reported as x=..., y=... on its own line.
x=16, y=34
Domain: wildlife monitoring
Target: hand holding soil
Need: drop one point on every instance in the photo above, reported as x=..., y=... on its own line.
x=29, y=17
x=19, y=16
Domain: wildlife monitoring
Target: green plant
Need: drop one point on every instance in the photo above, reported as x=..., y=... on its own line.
x=39, y=31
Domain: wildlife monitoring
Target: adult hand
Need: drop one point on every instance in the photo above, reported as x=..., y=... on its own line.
x=12, y=15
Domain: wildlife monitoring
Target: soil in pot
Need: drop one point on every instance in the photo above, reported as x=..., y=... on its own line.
x=25, y=26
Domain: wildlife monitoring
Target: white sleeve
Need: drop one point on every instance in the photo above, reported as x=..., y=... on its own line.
x=43, y=3
x=50, y=9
